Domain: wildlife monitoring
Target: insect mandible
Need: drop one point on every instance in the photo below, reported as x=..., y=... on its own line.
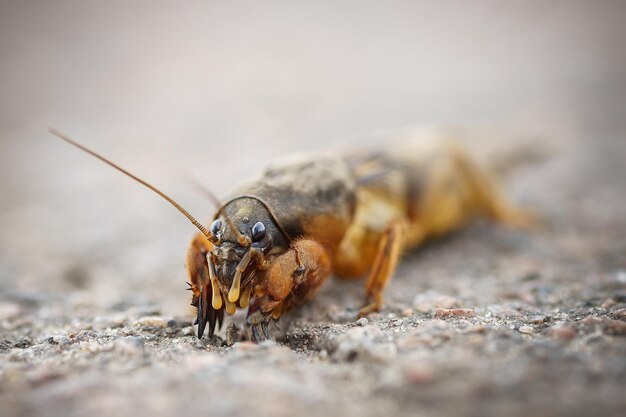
x=277, y=237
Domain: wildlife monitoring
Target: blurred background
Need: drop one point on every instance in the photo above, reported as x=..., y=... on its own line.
x=214, y=90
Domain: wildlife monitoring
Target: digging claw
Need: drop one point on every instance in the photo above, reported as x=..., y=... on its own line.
x=264, y=328
x=206, y=314
x=255, y=333
x=258, y=323
x=260, y=331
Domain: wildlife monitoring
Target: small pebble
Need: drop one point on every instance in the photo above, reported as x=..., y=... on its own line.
x=59, y=339
x=526, y=330
x=232, y=334
x=363, y=321
x=42, y=376
x=431, y=300
x=419, y=373
x=94, y=347
x=538, y=319
x=151, y=321
x=478, y=328
x=199, y=343
x=591, y=320
x=130, y=345
x=85, y=335
x=454, y=312
x=363, y=343
x=608, y=303
x=374, y=316
x=619, y=314
x=562, y=332
x=24, y=342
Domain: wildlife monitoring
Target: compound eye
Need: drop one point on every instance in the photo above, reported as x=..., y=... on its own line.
x=258, y=232
x=215, y=227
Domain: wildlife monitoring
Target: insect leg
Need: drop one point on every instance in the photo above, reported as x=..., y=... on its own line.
x=200, y=281
x=290, y=279
x=457, y=190
x=486, y=196
x=389, y=251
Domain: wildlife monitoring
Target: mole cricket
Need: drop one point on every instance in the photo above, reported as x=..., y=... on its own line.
x=277, y=237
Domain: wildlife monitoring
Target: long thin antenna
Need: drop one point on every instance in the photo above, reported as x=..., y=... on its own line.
x=139, y=180
x=207, y=193
x=243, y=240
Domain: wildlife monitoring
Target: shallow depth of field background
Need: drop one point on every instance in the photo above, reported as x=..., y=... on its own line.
x=213, y=90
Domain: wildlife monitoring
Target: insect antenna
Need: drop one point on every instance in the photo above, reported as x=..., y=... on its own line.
x=207, y=193
x=243, y=240
x=139, y=180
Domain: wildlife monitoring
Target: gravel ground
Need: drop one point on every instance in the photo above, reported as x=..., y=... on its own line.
x=485, y=322
x=94, y=319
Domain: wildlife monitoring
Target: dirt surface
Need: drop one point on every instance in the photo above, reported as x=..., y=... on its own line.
x=486, y=322
x=94, y=319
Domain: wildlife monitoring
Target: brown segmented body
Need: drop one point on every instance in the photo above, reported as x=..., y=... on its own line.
x=311, y=196
x=278, y=236
x=352, y=215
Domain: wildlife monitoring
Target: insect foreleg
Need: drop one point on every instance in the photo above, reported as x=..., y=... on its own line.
x=290, y=279
x=199, y=274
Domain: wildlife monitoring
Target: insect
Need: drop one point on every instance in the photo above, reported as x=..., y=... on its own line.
x=277, y=237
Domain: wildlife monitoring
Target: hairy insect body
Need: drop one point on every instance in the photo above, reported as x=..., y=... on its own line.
x=307, y=194
x=353, y=216
x=306, y=205
x=279, y=236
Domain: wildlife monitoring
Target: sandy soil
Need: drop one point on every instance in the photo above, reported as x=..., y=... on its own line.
x=486, y=322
